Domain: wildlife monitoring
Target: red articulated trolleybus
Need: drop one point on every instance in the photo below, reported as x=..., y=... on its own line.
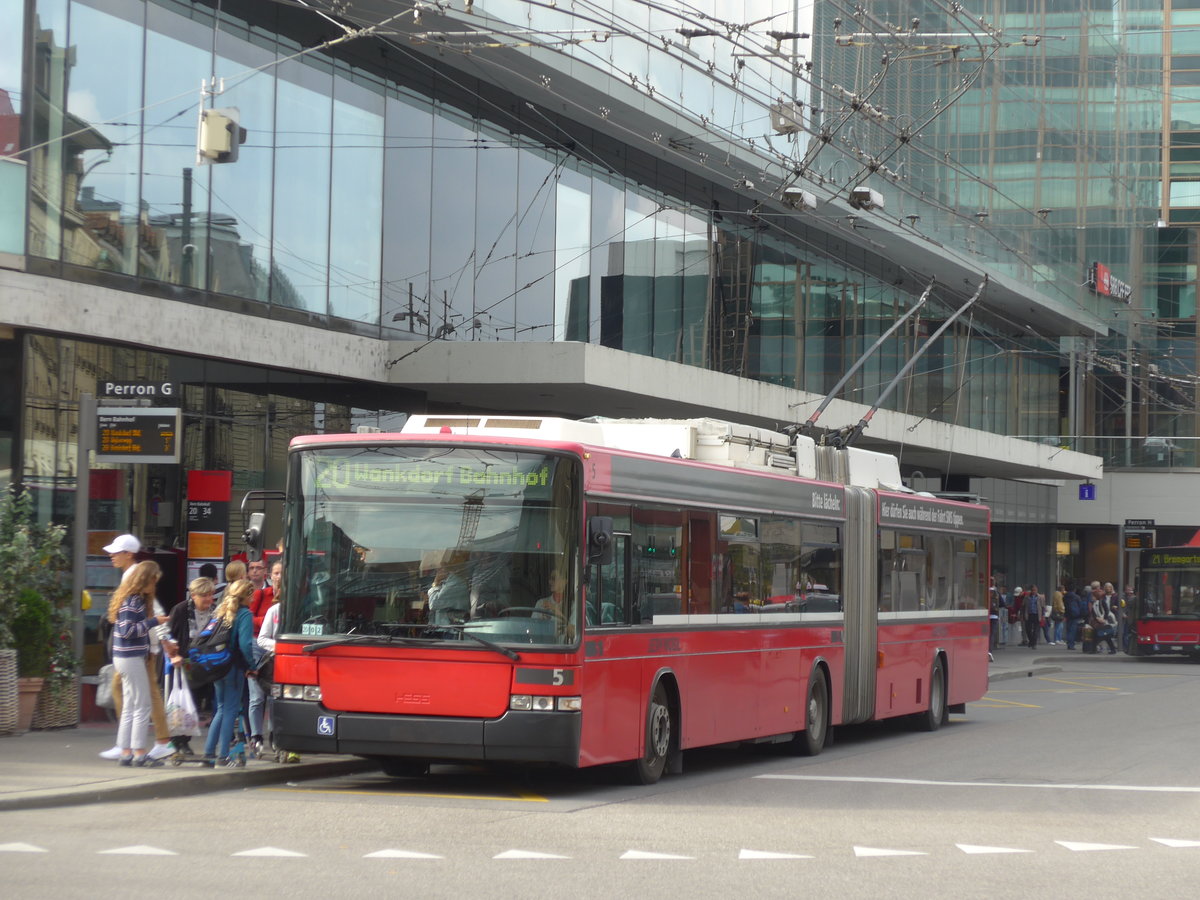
x=614, y=591
x=1165, y=618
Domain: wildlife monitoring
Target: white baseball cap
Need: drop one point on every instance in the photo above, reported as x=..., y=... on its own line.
x=125, y=543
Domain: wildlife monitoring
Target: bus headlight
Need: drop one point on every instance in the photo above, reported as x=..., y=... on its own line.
x=300, y=692
x=545, y=704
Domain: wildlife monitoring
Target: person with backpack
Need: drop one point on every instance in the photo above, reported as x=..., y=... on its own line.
x=227, y=643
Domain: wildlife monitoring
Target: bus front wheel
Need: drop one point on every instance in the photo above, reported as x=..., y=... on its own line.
x=936, y=713
x=656, y=744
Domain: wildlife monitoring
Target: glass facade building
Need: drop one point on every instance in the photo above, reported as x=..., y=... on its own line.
x=403, y=199
x=678, y=183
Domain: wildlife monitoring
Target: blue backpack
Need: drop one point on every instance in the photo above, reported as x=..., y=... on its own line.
x=1074, y=605
x=210, y=657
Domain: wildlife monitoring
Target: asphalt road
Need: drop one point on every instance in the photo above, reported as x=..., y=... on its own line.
x=1077, y=784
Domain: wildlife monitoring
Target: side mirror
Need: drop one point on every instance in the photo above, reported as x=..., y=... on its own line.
x=253, y=536
x=600, y=540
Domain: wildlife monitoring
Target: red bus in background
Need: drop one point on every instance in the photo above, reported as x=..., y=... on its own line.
x=614, y=591
x=1165, y=617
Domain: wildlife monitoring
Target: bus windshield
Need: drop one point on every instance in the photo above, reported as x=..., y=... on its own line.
x=433, y=544
x=1170, y=586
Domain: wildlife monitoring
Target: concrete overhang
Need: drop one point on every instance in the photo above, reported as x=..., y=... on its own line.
x=575, y=380
x=565, y=378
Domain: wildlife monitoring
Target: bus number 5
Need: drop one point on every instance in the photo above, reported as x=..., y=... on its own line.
x=558, y=677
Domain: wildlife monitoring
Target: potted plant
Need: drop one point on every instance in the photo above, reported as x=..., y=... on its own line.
x=58, y=704
x=34, y=598
x=31, y=630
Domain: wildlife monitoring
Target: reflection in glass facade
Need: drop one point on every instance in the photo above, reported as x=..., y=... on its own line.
x=384, y=192
x=382, y=198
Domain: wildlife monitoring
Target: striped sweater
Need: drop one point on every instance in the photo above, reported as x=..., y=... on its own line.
x=131, y=631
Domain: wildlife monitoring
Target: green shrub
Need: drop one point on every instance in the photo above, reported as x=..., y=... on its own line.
x=36, y=614
x=32, y=629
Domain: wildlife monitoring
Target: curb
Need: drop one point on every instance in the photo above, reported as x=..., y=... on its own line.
x=1027, y=672
x=153, y=786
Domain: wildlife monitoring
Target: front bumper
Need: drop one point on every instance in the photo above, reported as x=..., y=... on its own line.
x=517, y=736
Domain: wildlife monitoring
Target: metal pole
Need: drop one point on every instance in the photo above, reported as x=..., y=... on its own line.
x=186, y=250
x=85, y=443
x=851, y=436
x=861, y=361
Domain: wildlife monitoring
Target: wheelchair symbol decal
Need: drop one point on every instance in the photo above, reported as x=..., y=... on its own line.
x=325, y=726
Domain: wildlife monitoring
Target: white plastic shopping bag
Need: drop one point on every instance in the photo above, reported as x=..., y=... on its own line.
x=182, y=720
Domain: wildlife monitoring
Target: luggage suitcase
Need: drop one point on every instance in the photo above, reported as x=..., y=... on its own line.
x=1089, y=639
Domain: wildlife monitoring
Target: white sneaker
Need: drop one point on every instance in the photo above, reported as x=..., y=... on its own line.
x=111, y=753
x=158, y=751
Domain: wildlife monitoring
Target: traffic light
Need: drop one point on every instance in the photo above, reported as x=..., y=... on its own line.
x=220, y=136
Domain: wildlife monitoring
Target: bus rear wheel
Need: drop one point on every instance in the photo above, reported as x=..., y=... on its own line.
x=656, y=745
x=811, y=741
x=936, y=714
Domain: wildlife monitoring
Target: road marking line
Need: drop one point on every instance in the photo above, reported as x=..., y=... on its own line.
x=643, y=854
x=766, y=854
x=1006, y=704
x=879, y=851
x=139, y=850
x=18, y=847
x=268, y=851
x=1136, y=788
x=975, y=848
x=1081, y=847
x=1082, y=684
x=400, y=854
x=527, y=854
x=1174, y=842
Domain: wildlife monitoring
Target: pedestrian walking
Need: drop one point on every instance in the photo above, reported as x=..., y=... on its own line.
x=1034, y=615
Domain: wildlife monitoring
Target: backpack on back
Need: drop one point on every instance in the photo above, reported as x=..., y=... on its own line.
x=211, y=654
x=1074, y=607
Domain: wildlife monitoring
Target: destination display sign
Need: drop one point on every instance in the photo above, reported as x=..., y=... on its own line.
x=137, y=435
x=915, y=512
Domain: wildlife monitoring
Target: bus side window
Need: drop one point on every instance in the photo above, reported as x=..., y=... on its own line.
x=606, y=587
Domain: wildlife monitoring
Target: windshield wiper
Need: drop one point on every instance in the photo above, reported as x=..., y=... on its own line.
x=355, y=639
x=491, y=645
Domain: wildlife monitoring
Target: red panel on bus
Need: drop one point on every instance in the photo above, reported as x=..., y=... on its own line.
x=415, y=687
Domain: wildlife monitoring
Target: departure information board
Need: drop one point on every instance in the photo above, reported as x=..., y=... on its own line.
x=137, y=435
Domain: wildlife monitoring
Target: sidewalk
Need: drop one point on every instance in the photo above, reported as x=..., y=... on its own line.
x=1013, y=661
x=43, y=769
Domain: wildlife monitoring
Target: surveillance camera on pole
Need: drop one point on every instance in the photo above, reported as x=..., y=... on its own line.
x=220, y=136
